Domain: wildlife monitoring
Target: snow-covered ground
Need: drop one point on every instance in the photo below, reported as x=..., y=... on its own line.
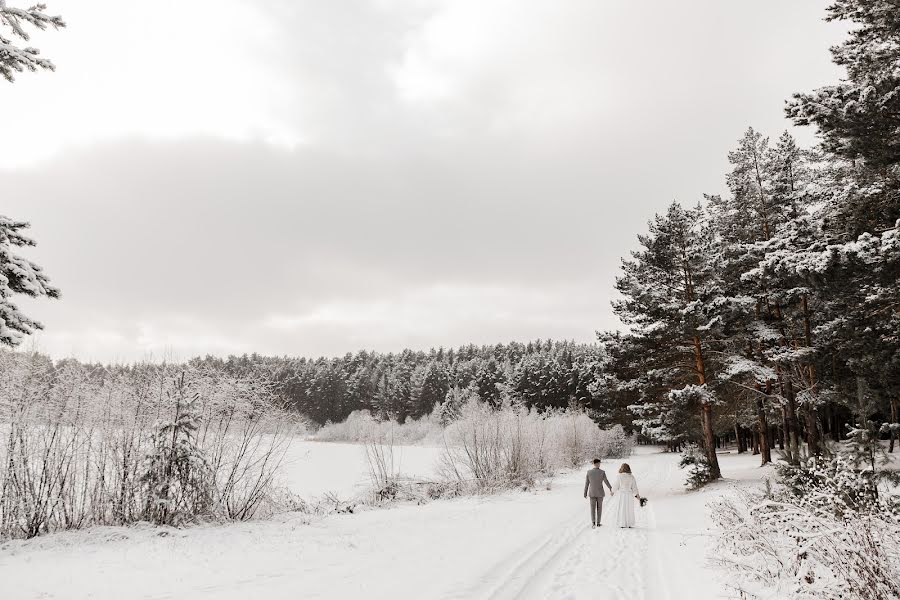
x=312, y=469
x=516, y=545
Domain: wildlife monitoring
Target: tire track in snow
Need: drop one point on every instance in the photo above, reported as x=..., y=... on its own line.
x=609, y=562
x=515, y=576
x=573, y=561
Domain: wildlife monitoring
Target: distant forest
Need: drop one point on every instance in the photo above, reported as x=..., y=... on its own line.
x=541, y=374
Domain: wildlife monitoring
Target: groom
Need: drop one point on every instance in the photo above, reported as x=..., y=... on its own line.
x=593, y=486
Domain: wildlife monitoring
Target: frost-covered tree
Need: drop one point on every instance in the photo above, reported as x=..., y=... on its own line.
x=18, y=275
x=176, y=478
x=430, y=387
x=762, y=216
x=853, y=266
x=669, y=288
x=14, y=24
x=859, y=118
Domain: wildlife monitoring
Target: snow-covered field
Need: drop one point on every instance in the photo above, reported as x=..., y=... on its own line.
x=516, y=545
x=312, y=469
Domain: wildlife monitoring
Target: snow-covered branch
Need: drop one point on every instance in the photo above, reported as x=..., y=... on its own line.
x=15, y=58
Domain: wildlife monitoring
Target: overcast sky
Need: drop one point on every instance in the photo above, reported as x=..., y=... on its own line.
x=312, y=177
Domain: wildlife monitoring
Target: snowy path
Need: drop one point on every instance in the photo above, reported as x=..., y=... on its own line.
x=517, y=545
x=575, y=561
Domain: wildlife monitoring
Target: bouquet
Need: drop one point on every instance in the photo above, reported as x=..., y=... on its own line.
x=643, y=501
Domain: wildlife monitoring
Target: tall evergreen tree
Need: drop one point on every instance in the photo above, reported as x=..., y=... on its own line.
x=859, y=118
x=18, y=276
x=667, y=287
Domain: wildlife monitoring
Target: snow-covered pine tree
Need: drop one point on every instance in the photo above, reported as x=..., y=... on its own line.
x=855, y=265
x=177, y=480
x=740, y=220
x=634, y=387
x=456, y=399
x=790, y=175
x=430, y=387
x=668, y=290
x=487, y=377
x=859, y=118
x=18, y=276
x=766, y=198
x=789, y=172
x=13, y=57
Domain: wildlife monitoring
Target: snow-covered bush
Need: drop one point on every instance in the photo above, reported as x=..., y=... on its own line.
x=826, y=530
x=513, y=446
x=699, y=471
x=615, y=443
x=362, y=427
x=85, y=446
x=781, y=544
x=176, y=478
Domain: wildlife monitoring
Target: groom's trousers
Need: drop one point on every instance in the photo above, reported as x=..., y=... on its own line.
x=596, y=509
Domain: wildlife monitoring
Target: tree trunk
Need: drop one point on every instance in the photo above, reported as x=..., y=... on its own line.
x=707, y=415
x=812, y=417
x=739, y=439
x=792, y=424
x=763, y=426
x=893, y=422
x=835, y=425
x=710, y=436
x=786, y=434
x=812, y=430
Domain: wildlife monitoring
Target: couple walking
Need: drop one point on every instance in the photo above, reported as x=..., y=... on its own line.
x=626, y=487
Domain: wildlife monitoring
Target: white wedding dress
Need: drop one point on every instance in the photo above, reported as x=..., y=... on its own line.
x=625, y=489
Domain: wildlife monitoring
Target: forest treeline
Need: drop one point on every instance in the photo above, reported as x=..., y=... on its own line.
x=409, y=384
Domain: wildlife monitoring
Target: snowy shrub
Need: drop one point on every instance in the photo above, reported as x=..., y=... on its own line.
x=362, y=427
x=578, y=436
x=805, y=555
x=835, y=488
x=858, y=479
x=695, y=461
x=177, y=479
x=487, y=446
x=615, y=443
x=829, y=529
x=382, y=469
x=451, y=408
x=89, y=447
x=513, y=446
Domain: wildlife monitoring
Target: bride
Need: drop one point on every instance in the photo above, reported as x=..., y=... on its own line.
x=626, y=492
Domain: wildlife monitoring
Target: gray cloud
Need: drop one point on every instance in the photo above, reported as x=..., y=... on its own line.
x=445, y=190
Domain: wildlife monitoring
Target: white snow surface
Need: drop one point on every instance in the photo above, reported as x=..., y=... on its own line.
x=313, y=469
x=525, y=545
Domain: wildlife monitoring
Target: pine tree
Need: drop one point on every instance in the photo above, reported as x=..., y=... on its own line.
x=14, y=58
x=18, y=276
x=859, y=118
x=668, y=287
x=177, y=479
x=852, y=267
x=433, y=388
